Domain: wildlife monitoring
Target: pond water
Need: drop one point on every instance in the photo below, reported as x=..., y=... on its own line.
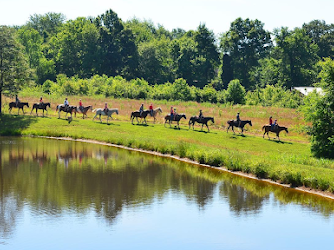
x=73, y=195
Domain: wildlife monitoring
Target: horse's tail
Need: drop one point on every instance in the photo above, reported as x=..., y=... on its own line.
x=263, y=127
x=131, y=115
x=57, y=107
x=94, y=110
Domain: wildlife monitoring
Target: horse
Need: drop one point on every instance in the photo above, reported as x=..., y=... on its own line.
x=20, y=105
x=203, y=120
x=100, y=112
x=84, y=110
x=136, y=114
x=68, y=109
x=176, y=118
x=233, y=123
x=277, y=129
x=40, y=106
x=155, y=112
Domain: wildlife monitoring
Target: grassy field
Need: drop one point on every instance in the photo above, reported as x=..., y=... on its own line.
x=289, y=161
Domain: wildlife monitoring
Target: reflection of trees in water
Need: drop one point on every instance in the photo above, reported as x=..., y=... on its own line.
x=240, y=200
x=10, y=208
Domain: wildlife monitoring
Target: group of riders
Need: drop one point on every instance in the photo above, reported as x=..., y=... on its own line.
x=173, y=112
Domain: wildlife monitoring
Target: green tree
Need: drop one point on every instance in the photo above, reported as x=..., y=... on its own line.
x=322, y=34
x=297, y=57
x=47, y=25
x=246, y=42
x=14, y=70
x=236, y=92
x=117, y=46
x=320, y=113
x=33, y=44
x=207, y=51
x=76, y=48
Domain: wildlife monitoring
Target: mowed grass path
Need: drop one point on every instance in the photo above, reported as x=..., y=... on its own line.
x=289, y=161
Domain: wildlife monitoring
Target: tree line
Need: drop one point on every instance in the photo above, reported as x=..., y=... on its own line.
x=106, y=45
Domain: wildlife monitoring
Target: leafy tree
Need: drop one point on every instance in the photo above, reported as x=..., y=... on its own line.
x=76, y=46
x=47, y=25
x=14, y=70
x=208, y=54
x=227, y=70
x=33, y=44
x=236, y=92
x=322, y=34
x=117, y=46
x=297, y=57
x=320, y=113
x=246, y=42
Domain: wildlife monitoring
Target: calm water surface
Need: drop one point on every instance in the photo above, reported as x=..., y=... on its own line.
x=71, y=195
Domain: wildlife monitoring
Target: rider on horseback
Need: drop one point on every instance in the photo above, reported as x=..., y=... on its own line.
x=141, y=109
x=17, y=101
x=41, y=102
x=151, y=109
x=66, y=103
x=171, y=113
x=80, y=106
x=238, y=119
x=200, y=116
x=105, y=110
x=271, y=123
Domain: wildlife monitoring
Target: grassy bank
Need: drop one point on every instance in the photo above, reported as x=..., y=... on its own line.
x=289, y=161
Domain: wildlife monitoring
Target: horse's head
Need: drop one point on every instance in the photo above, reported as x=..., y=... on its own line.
x=184, y=116
x=159, y=110
x=116, y=111
x=212, y=119
x=250, y=122
x=91, y=108
x=48, y=104
x=286, y=129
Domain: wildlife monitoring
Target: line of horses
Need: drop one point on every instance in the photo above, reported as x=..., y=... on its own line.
x=69, y=109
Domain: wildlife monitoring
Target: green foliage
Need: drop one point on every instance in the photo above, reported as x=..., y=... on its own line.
x=275, y=96
x=320, y=113
x=236, y=92
x=14, y=69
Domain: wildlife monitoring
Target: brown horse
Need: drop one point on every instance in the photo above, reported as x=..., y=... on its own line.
x=142, y=115
x=20, y=105
x=176, y=118
x=40, y=106
x=241, y=124
x=276, y=129
x=155, y=112
x=84, y=110
x=203, y=121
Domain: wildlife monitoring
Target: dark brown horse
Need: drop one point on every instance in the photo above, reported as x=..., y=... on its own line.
x=203, y=121
x=68, y=109
x=276, y=129
x=176, y=118
x=241, y=124
x=84, y=110
x=40, y=106
x=20, y=105
x=142, y=115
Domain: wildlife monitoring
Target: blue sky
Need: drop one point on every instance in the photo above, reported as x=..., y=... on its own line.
x=185, y=14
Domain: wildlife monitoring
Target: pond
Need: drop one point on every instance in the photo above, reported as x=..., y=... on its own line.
x=73, y=195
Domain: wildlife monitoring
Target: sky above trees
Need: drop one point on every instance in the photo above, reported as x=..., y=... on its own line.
x=185, y=14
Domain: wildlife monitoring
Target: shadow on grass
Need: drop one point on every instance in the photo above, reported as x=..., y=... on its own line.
x=279, y=142
x=14, y=124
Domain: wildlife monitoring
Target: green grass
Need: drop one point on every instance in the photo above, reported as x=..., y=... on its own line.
x=285, y=162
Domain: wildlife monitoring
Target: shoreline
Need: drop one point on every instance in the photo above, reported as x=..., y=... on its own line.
x=323, y=194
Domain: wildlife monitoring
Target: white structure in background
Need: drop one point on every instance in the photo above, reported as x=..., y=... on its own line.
x=306, y=90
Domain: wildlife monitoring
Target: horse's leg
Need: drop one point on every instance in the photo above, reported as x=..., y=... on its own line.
x=207, y=127
x=100, y=118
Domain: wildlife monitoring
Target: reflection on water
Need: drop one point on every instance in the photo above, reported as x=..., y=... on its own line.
x=62, y=180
